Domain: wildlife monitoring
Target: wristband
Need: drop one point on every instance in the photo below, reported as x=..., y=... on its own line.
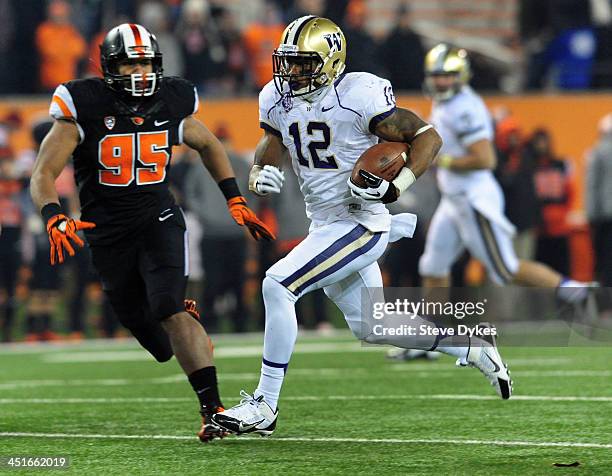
x=444, y=161
x=423, y=129
x=229, y=188
x=50, y=210
x=404, y=180
x=253, y=176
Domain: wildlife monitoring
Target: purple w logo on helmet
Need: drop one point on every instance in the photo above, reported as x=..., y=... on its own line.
x=334, y=40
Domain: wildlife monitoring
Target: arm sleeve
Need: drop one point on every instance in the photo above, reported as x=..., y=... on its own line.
x=473, y=124
x=62, y=108
x=377, y=102
x=62, y=105
x=191, y=107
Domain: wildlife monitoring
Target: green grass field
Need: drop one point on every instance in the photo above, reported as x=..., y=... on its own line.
x=344, y=410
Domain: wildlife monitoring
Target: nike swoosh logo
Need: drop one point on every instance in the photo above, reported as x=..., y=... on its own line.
x=165, y=218
x=497, y=368
x=328, y=109
x=160, y=123
x=372, y=194
x=242, y=427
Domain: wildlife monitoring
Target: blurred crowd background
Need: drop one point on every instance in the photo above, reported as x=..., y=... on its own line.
x=224, y=46
x=560, y=204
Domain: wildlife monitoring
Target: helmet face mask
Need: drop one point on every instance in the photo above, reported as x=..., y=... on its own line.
x=131, y=43
x=311, y=56
x=301, y=71
x=447, y=70
x=442, y=86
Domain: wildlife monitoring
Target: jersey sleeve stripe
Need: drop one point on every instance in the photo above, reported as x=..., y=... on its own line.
x=378, y=118
x=62, y=104
x=63, y=107
x=181, y=129
x=474, y=136
x=267, y=127
x=196, y=103
x=464, y=134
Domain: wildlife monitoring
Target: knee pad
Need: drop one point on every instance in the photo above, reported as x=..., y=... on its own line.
x=147, y=331
x=164, y=305
x=273, y=291
x=154, y=339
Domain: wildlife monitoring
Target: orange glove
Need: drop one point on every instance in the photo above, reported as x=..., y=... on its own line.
x=243, y=215
x=60, y=228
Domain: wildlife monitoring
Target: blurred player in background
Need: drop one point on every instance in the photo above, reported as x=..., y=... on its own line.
x=470, y=214
x=11, y=221
x=45, y=283
x=323, y=121
x=599, y=205
x=120, y=131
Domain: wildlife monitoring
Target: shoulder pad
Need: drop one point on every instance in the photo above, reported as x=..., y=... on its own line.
x=82, y=96
x=268, y=95
x=180, y=96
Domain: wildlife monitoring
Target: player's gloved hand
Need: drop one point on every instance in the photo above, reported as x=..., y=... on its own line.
x=61, y=229
x=266, y=179
x=243, y=215
x=377, y=189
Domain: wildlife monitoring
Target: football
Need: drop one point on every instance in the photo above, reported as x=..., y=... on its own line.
x=384, y=160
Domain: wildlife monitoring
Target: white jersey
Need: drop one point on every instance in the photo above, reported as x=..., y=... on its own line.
x=325, y=138
x=462, y=121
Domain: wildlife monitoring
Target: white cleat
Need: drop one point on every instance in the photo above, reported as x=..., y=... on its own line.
x=485, y=357
x=251, y=415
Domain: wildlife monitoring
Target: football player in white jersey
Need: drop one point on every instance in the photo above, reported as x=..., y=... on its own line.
x=322, y=121
x=471, y=212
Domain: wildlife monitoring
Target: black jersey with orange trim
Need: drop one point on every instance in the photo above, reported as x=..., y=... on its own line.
x=121, y=163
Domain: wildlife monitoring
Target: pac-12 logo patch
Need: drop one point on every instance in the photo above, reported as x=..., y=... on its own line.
x=109, y=122
x=287, y=102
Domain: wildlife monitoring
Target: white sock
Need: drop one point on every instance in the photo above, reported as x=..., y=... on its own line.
x=279, y=339
x=572, y=291
x=270, y=383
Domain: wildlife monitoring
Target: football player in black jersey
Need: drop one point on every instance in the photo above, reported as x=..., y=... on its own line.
x=120, y=131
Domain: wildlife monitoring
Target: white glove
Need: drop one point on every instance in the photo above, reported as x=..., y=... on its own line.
x=374, y=191
x=269, y=179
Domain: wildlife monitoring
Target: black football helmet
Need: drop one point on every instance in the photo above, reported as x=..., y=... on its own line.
x=131, y=41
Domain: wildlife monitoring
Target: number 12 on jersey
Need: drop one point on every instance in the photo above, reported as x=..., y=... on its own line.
x=328, y=162
x=117, y=153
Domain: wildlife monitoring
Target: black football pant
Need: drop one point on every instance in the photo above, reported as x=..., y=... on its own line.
x=145, y=280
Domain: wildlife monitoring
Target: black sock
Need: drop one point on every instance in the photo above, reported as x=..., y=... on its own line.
x=31, y=323
x=204, y=383
x=45, y=322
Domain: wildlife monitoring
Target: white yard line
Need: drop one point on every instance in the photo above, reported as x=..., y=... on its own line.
x=414, y=371
x=437, y=441
x=220, y=352
x=128, y=343
x=314, y=398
